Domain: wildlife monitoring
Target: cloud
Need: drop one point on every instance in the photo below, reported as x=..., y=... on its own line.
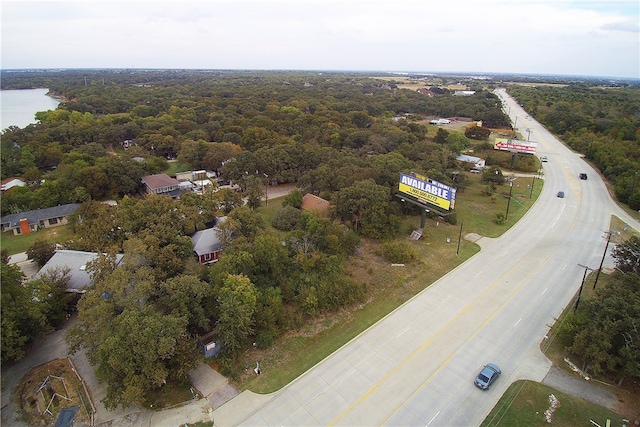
x=457, y=35
x=626, y=26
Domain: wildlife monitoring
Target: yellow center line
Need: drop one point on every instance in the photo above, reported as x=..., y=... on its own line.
x=438, y=332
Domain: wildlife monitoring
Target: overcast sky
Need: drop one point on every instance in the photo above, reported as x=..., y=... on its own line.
x=585, y=38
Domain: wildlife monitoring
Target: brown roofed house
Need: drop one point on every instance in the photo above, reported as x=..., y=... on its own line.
x=161, y=184
x=315, y=204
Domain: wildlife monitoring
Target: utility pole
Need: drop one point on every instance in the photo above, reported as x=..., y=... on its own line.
x=584, y=276
x=608, y=233
x=506, y=215
x=266, y=190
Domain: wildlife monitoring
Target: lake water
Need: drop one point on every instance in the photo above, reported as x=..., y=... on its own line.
x=18, y=107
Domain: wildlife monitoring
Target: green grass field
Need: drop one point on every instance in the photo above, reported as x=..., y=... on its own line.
x=16, y=244
x=525, y=402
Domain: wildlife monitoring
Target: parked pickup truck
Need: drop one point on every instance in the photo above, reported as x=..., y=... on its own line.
x=440, y=122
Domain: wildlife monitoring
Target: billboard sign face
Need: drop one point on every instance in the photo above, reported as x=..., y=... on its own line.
x=514, y=145
x=428, y=191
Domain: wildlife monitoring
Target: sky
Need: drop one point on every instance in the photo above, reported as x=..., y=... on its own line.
x=599, y=38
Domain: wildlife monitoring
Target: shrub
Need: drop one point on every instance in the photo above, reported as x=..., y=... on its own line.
x=294, y=198
x=398, y=252
x=286, y=219
x=477, y=132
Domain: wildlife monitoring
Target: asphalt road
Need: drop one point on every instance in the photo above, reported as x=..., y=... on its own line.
x=417, y=365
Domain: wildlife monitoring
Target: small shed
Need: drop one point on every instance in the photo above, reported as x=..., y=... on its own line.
x=209, y=345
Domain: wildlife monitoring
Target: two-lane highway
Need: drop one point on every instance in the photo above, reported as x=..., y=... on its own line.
x=417, y=365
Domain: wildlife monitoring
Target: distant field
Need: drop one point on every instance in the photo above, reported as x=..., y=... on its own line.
x=413, y=84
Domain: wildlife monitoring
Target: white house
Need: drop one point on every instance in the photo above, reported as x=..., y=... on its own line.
x=477, y=162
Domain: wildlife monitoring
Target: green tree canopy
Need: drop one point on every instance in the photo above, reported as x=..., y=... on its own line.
x=237, y=301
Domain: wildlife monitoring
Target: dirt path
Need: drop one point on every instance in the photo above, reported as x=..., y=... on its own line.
x=570, y=384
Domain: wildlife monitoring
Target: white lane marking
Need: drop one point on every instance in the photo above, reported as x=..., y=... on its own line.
x=517, y=322
x=545, y=290
x=434, y=417
x=401, y=333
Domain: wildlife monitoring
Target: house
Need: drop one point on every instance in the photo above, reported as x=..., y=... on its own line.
x=207, y=244
x=161, y=184
x=464, y=92
x=315, y=204
x=11, y=182
x=30, y=221
x=478, y=163
x=76, y=262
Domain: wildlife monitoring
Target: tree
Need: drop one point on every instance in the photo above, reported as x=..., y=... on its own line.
x=268, y=316
x=457, y=143
x=627, y=255
x=50, y=292
x=441, y=136
x=228, y=199
x=133, y=357
x=237, y=301
x=246, y=222
x=477, y=132
x=293, y=199
x=41, y=251
x=608, y=336
x=137, y=331
x=22, y=319
x=365, y=205
x=253, y=190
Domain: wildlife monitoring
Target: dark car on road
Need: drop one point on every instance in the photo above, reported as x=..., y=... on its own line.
x=561, y=194
x=487, y=376
x=583, y=176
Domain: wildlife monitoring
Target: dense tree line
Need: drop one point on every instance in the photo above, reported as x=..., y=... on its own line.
x=603, y=123
x=285, y=124
x=605, y=331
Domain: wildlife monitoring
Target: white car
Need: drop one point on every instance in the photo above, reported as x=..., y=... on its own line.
x=543, y=159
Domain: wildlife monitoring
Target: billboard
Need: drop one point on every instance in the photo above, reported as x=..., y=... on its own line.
x=428, y=191
x=515, y=146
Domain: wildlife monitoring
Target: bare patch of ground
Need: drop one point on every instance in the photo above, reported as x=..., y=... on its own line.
x=49, y=388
